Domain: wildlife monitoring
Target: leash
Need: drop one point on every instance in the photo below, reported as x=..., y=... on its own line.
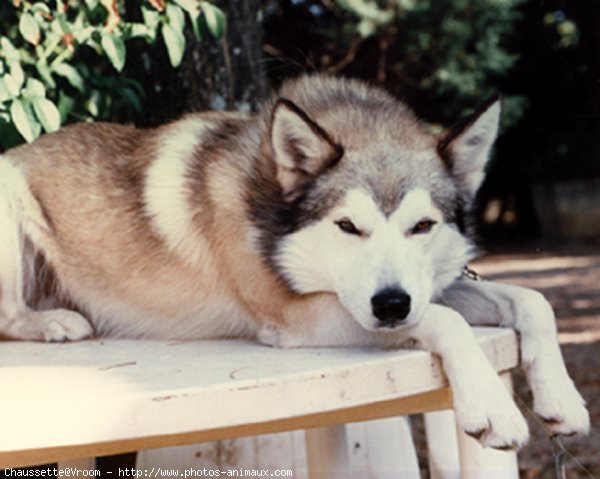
x=558, y=453
x=471, y=273
x=558, y=450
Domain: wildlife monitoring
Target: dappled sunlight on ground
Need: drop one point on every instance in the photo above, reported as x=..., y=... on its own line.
x=570, y=282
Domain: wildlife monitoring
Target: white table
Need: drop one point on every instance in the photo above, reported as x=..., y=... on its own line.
x=93, y=398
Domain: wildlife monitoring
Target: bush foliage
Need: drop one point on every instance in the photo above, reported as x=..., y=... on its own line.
x=64, y=61
x=443, y=56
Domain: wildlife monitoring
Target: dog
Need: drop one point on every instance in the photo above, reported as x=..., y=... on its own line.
x=333, y=217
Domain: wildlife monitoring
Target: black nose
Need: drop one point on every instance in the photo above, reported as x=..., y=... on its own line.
x=390, y=306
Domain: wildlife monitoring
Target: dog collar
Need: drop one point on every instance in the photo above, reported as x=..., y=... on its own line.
x=471, y=273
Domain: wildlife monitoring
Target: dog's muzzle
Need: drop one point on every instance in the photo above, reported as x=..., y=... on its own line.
x=390, y=306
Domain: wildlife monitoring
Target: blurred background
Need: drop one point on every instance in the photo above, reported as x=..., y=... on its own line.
x=150, y=61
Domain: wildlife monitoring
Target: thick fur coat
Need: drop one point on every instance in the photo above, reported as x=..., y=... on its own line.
x=333, y=217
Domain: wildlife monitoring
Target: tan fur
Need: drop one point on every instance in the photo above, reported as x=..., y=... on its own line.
x=88, y=180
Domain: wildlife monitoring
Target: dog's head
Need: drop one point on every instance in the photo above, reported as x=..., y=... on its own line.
x=371, y=206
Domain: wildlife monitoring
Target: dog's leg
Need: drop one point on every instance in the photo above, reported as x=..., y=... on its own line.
x=17, y=321
x=484, y=408
x=555, y=398
x=483, y=405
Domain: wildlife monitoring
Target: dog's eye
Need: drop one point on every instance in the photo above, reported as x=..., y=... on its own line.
x=423, y=226
x=348, y=227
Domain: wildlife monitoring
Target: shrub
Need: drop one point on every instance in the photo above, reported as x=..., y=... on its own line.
x=66, y=62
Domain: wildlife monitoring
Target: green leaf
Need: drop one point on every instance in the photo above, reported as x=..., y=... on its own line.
x=4, y=92
x=13, y=88
x=114, y=48
x=34, y=89
x=175, y=43
x=150, y=17
x=14, y=80
x=84, y=34
x=190, y=6
x=47, y=114
x=9, y=52
x=175, y=16
x=63, y=25
x=29, y=28
x=199, y=27
x=24, y=120
x=45, y=75
x=215, y=19
x=131, y=98
x=140, y=30
x=93, y=105
x=71, y=74
x=65, y=106
x=16, y=71
x=41, y=7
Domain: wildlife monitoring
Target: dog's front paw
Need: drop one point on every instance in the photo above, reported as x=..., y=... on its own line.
x=279, y=337
x=494, y=420
x=562, y=409
x=64, y=325
x=503, y=428
x=274, y=335
x=270, y=335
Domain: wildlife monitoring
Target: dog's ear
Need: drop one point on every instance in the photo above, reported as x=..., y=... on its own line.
x=301, y=148
x=465, y=148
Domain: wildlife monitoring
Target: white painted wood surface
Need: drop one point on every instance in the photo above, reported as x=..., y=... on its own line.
x=284, y=450
x=378, y=449
x=442, y=445
x=327, y=453
x=98, y=397
x=386, y=451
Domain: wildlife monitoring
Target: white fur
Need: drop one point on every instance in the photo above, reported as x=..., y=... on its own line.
x=482, y=404
x=19, y=214
x=471, y=150
x=166, y=193
x=11, y=277
x=554, y=395
x=322, y=258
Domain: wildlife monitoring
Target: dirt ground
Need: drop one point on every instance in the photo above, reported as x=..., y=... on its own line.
x=570, y=278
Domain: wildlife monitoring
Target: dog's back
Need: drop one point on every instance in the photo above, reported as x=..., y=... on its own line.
x=114, y=212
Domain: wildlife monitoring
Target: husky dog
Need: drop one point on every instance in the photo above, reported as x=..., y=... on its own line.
x=331, y=218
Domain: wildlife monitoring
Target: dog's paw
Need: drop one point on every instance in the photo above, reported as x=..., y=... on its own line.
x=495, y=421
x=278, y=337
x=64, y=325
x=270, y=335
x=500, y=427
x=562, y=409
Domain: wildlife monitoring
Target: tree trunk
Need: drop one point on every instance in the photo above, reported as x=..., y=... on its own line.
x=227, y=73
x=216, y=74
